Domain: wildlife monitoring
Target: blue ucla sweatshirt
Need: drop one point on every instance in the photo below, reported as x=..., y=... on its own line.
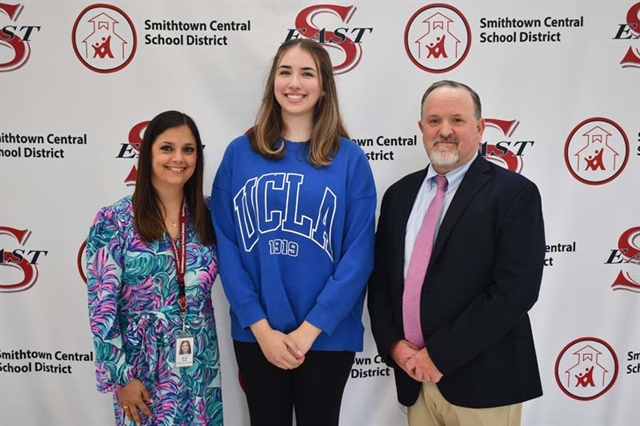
x=295, y=242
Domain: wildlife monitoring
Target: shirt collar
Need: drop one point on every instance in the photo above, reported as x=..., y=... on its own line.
x=454, y=177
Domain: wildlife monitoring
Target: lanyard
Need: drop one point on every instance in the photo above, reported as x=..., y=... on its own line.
x=180, y=254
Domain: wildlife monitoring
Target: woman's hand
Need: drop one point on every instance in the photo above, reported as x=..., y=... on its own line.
x=305, y=335
x=133, y=397
x=279, y=349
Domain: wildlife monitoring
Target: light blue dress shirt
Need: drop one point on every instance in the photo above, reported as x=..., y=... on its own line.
x=423, y=199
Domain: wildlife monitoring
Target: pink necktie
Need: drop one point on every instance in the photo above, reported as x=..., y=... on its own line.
x=418, y=266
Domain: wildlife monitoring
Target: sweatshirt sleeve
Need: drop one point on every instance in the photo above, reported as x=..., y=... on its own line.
x=348, y=283
x=104, y=272
x=240, y=290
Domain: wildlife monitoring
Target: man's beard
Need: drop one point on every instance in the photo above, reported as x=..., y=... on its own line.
x=444, y=158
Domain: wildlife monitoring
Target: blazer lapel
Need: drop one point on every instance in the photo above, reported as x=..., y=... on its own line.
x=476, y=177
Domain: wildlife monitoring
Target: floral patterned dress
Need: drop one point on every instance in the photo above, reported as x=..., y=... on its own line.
x=134, y=316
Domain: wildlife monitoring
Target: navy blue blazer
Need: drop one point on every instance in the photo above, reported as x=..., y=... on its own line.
x=483, y=277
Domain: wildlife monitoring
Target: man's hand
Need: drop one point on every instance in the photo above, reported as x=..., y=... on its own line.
x=425, y=369
x=415, y=362
x=403, y=352
x=279, y=349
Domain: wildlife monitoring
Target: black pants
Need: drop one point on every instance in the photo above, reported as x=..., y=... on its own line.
x=314, y=389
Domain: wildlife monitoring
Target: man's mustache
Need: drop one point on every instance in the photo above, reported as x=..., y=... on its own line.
x=447, y=140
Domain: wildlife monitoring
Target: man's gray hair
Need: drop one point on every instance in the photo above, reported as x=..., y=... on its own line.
x=450, y=83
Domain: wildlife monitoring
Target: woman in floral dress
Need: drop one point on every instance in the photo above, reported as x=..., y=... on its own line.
x=151, y=263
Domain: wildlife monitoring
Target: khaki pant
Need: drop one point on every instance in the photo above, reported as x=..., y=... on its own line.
x=431, y=409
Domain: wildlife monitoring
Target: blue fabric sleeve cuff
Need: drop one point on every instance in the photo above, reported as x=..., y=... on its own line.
x=323, y=318
x=250, y=313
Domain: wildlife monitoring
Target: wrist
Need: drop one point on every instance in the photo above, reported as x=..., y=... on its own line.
x=395, y=346
x=259, y=328
x=309, y=329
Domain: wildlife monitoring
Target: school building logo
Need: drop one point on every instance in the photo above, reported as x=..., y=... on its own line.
x=630, y=30
x=342, y=40
x=104, y=38
x=437, y=38
x=586, y=368
x=18, y=262
x=131, y=149
x=14, y=37
x=596, y=151
x=501, y=148
x=627, y=255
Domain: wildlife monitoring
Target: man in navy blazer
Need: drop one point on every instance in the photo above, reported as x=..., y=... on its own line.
x=478, y=362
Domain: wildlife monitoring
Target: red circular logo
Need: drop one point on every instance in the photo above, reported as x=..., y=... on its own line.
x=596, y=151
x=437, y=38
x=104, y=38
x=586, y=368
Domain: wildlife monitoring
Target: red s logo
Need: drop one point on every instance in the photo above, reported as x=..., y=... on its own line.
x=10, y=38
x=21, y=259
x=132, y=149
x=336, y=39
x=135, y=134
x=632, y=57
x=629, y=247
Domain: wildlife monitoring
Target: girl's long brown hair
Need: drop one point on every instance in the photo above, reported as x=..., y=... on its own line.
x=327, y=120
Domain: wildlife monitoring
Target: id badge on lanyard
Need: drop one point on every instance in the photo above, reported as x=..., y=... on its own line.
x=184, y=341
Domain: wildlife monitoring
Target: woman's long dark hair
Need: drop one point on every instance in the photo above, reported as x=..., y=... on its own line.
x=146, y=204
